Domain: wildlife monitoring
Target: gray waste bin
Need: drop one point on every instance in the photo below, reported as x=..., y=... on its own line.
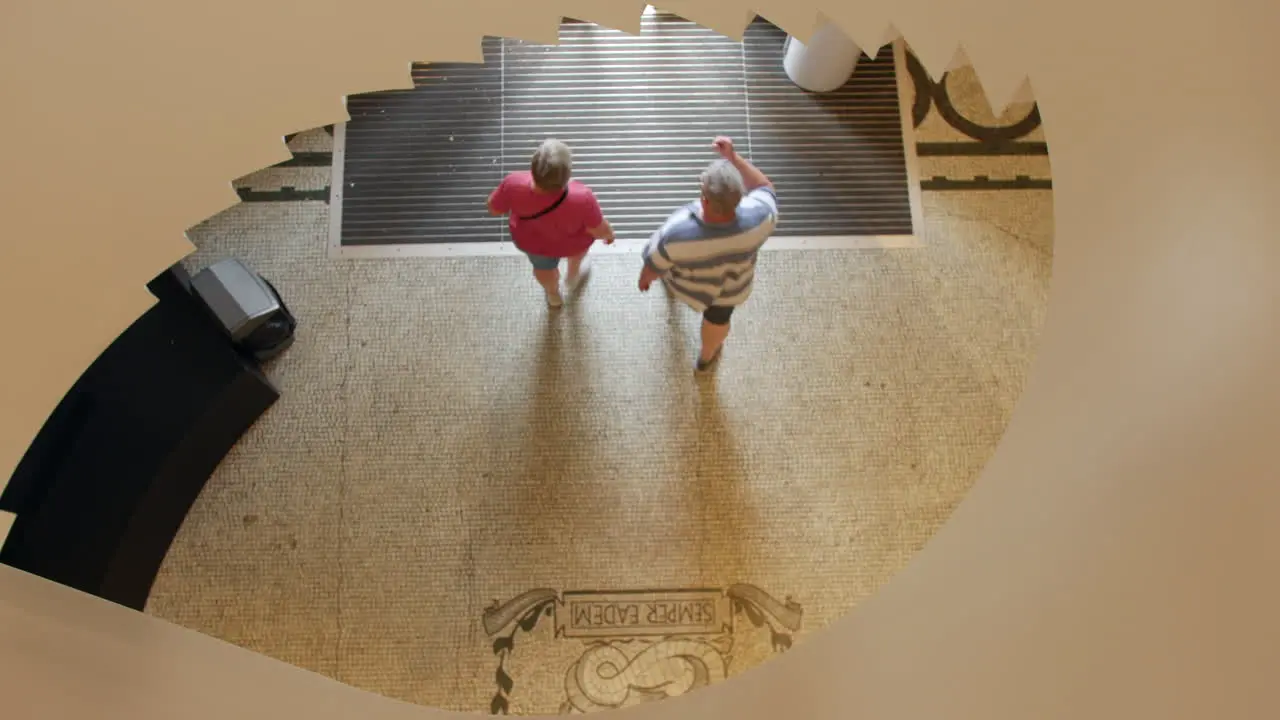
x=824, y=63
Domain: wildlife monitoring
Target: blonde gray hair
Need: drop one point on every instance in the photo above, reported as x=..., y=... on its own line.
x=552, y=165
x=722, y=187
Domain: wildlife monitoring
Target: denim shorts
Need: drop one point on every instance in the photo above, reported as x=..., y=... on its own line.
x=542, y=262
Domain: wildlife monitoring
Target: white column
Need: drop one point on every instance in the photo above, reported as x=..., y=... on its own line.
x=823, y=64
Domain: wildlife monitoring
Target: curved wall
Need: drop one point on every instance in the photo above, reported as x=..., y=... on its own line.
x=1117, y=557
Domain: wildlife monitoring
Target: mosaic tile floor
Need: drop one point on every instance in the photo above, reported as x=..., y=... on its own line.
x=464, y=501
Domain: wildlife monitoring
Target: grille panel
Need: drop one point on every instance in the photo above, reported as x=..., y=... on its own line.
x=639, y=113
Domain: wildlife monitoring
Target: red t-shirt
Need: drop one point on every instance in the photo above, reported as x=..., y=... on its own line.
x=561, y=232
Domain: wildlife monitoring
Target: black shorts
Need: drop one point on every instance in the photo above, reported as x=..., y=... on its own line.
x=718, y=314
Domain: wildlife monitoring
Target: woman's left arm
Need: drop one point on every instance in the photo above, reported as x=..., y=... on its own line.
x=497, y=201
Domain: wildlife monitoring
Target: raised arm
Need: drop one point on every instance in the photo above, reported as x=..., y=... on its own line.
x=751, y=175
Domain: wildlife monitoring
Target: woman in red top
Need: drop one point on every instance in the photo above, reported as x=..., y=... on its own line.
x=551, y=217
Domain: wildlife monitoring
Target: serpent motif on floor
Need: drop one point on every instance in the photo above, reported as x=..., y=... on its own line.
x=637, y=645
x=606, y=677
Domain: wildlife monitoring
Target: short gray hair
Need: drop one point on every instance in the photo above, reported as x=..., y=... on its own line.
x=552, y=165
x=722, y=187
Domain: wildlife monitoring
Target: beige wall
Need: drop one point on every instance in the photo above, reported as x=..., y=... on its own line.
x=1117, y=559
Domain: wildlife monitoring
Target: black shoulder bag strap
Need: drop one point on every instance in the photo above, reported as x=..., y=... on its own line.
x=553, y=206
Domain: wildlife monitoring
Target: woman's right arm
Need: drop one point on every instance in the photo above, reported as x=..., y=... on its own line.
x=602, y=232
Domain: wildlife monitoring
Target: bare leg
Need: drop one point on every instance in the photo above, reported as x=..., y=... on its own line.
x=575, y=264
x=713, y=337
x=578, y=269
x=550, y=281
